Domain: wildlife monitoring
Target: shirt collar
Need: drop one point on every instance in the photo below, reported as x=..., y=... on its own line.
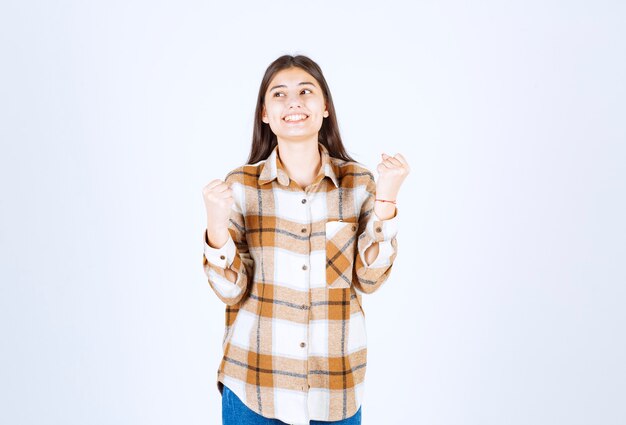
x=273, y=168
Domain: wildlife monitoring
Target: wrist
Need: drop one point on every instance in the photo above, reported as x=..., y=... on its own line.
x=384, y=210
x=216, y=238
x=383, y=194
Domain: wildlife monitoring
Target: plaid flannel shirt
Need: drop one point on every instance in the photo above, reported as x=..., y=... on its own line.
x=295, y=342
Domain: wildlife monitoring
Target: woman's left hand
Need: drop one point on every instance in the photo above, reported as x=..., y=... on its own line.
x=391, y=171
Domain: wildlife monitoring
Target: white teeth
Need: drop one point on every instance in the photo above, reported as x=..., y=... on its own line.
x=297, y=117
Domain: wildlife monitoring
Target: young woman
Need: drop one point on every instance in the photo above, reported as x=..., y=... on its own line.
x=294, y=237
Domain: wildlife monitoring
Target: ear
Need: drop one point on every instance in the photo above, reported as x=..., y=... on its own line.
x=264, y=116
x=325, y=114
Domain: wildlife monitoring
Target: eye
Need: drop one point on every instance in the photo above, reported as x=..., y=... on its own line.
x=276, y=94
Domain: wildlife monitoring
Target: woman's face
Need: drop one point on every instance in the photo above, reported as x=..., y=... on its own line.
x=294, y=105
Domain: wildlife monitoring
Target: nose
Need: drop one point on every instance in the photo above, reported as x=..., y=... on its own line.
x=294, y=101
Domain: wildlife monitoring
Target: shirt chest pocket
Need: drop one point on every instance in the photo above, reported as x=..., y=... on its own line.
x=340, y=252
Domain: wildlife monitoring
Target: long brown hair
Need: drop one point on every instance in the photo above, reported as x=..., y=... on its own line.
x=264, y=140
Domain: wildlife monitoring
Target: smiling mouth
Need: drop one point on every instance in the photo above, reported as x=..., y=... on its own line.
x=295, y=118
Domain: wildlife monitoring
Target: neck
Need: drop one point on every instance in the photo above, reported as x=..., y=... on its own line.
x=302, y=160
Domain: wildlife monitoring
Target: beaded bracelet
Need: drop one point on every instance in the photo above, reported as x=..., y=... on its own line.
x=383, y=200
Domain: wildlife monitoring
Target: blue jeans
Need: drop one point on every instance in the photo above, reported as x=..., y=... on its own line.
x=235, y=412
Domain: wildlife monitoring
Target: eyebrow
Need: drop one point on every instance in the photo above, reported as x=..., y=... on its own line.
x=300, y=84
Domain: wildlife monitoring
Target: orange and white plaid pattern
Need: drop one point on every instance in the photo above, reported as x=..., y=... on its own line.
x=295, y=344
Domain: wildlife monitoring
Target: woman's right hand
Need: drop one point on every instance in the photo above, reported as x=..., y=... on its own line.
x=218, y=200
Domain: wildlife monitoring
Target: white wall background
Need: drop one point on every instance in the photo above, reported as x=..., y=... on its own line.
x=506, y=304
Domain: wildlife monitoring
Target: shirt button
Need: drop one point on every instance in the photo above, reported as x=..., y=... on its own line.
x=378, y=229
x=353, y=228
x=222, y=257
x=302, y=344
x=304, y=201
x=304, y=267
x=303, y=230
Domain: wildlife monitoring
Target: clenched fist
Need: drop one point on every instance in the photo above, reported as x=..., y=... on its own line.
x=392, y=171
x=218, y=200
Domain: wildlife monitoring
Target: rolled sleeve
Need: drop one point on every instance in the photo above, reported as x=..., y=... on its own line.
x=382, y=230
x=370, y=277
x=221, y=257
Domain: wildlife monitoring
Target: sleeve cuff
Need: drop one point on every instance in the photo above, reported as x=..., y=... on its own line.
x=382, y=230
x=221, y=257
